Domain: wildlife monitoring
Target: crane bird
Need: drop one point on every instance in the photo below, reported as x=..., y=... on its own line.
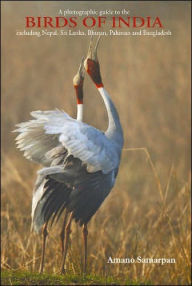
x=80, y=162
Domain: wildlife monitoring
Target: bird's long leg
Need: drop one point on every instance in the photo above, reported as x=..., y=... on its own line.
x=68, y=231
x=44, y=233
x=62, y=234
x=85, y=234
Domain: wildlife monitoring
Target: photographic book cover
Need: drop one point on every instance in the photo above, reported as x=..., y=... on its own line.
x=96, y=175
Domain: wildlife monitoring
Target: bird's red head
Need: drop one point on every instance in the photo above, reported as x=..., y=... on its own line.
x=92, y=66
x=78, y=83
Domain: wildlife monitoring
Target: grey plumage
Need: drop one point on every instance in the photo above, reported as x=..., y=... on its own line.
x=76, y=190
x=79, y=162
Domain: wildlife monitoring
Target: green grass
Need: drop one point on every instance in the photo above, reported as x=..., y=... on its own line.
x=12, y=277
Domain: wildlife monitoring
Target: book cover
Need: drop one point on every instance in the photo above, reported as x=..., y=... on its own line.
x=135, y=212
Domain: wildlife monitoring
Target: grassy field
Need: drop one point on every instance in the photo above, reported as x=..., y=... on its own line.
x=28, y=278
x=147, y=213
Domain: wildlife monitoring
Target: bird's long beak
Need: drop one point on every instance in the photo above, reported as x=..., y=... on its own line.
x=78, y=82
x=80, y=74
x=81, y=69
x=92, y=52
x=91, y=63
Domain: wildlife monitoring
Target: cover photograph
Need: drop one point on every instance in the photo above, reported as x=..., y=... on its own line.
x=95, y=120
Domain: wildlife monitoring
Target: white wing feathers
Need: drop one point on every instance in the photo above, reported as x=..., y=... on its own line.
x=51, y=128
x=33, y=140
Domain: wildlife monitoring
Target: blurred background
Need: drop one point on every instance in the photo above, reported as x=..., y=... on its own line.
x=148, y=78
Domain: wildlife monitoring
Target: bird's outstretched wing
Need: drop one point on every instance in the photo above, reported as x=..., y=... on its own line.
x=51, y=129
x=32, y=138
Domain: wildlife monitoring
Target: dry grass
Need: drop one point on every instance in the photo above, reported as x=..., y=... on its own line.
x=148, y=211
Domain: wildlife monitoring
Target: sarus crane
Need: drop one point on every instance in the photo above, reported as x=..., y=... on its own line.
x=80, y=162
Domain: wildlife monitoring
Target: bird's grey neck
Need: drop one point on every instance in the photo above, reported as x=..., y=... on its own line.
x=114, y=130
